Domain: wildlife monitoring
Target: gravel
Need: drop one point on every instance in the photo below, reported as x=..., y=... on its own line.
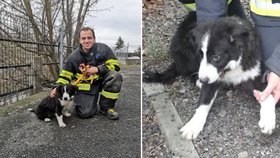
x=231, y=129
x=153, y=141
x=159, y=24
x=22, y=135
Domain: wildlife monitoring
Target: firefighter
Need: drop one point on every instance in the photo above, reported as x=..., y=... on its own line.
x=266, y=16
x=103, y=77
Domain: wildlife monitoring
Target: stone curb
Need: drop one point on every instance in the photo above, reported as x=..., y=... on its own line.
x=169, y=122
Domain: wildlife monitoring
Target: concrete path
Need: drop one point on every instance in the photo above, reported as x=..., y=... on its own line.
x=23, y=135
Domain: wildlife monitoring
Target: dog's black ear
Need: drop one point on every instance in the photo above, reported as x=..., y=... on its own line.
x=74, y=88
x=58, y=90
x=238, y=33
x=192, y=38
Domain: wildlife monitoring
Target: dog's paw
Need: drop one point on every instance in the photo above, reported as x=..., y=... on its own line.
x=62, y=124
x=67, y=114
x=267, y=116
x=198, y=84
x=47, y=120
x=192, y=129
x=267, y=126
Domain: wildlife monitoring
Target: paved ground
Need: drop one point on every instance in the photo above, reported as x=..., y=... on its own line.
x=231, y=129
x=23, y=135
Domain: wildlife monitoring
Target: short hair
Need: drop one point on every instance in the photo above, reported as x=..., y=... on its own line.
x=86, y=29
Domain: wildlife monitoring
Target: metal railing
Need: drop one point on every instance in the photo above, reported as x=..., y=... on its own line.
x=26, y=65
x=22, y=65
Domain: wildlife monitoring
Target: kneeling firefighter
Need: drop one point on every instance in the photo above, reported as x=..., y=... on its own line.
x=102, y=76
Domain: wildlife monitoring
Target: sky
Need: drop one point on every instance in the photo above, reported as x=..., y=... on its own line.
x=123, y=19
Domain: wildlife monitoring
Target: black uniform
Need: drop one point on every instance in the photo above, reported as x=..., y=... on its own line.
x=107, y=82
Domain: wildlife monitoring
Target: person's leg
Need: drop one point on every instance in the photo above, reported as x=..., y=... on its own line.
x=208, y=10
x=86, y=104
x=268, y=30
x=111, y=86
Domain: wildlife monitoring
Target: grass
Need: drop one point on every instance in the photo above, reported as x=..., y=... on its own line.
x=155, y=50
x=23, y=103
x=171, y=91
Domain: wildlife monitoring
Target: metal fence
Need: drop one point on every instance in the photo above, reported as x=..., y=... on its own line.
x=25, y=65
x=22, y=66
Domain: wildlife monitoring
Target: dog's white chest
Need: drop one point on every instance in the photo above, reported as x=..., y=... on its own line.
x=66, y=103
x=237, y=75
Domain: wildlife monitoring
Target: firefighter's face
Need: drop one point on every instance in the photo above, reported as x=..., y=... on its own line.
x=86, y=40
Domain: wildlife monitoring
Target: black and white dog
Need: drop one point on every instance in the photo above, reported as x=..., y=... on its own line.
x=225, y=51
x=58, y=105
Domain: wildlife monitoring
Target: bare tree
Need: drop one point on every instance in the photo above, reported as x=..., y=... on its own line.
x=74, y=22
x=68, y=13
x=45, y=18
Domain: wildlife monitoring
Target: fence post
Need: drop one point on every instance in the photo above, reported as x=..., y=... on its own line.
x=36, y=66
x=61, y=54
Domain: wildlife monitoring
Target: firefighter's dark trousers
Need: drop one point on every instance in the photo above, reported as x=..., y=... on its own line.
x=110, y=86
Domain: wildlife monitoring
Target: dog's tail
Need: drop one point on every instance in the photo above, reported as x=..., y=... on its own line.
x=167, y=76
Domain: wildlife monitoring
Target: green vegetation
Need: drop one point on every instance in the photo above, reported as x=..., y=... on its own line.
x=155, y=50
x=171, y=91
x=119, y=44
x=23, y=103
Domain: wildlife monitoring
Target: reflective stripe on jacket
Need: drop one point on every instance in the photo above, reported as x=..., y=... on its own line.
x=265, y=7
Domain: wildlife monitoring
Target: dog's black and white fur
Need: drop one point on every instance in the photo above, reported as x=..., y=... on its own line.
x=58, y=105
x=225, y=51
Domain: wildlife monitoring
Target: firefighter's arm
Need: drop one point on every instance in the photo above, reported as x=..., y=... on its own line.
x=92, y=70
x=65, y=77
x=110, y=64
x=67, y=73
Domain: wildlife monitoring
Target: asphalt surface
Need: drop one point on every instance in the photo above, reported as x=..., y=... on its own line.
x=23, y=135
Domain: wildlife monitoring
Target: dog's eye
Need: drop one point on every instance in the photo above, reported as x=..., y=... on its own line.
x=216, y=57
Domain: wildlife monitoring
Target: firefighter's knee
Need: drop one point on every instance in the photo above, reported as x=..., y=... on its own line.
x=86, y=105
x=113, y=81
x=85, y=112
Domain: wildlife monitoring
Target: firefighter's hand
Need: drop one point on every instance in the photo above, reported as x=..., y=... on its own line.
x=53, y=93
x=273, y=88
x=92, y=70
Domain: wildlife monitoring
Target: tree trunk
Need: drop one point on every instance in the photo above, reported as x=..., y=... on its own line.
x=30, y=15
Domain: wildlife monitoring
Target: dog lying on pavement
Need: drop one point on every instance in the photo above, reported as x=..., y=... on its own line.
x=223, y=52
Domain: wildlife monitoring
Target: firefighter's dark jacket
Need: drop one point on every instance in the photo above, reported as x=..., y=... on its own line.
x=100, y=56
